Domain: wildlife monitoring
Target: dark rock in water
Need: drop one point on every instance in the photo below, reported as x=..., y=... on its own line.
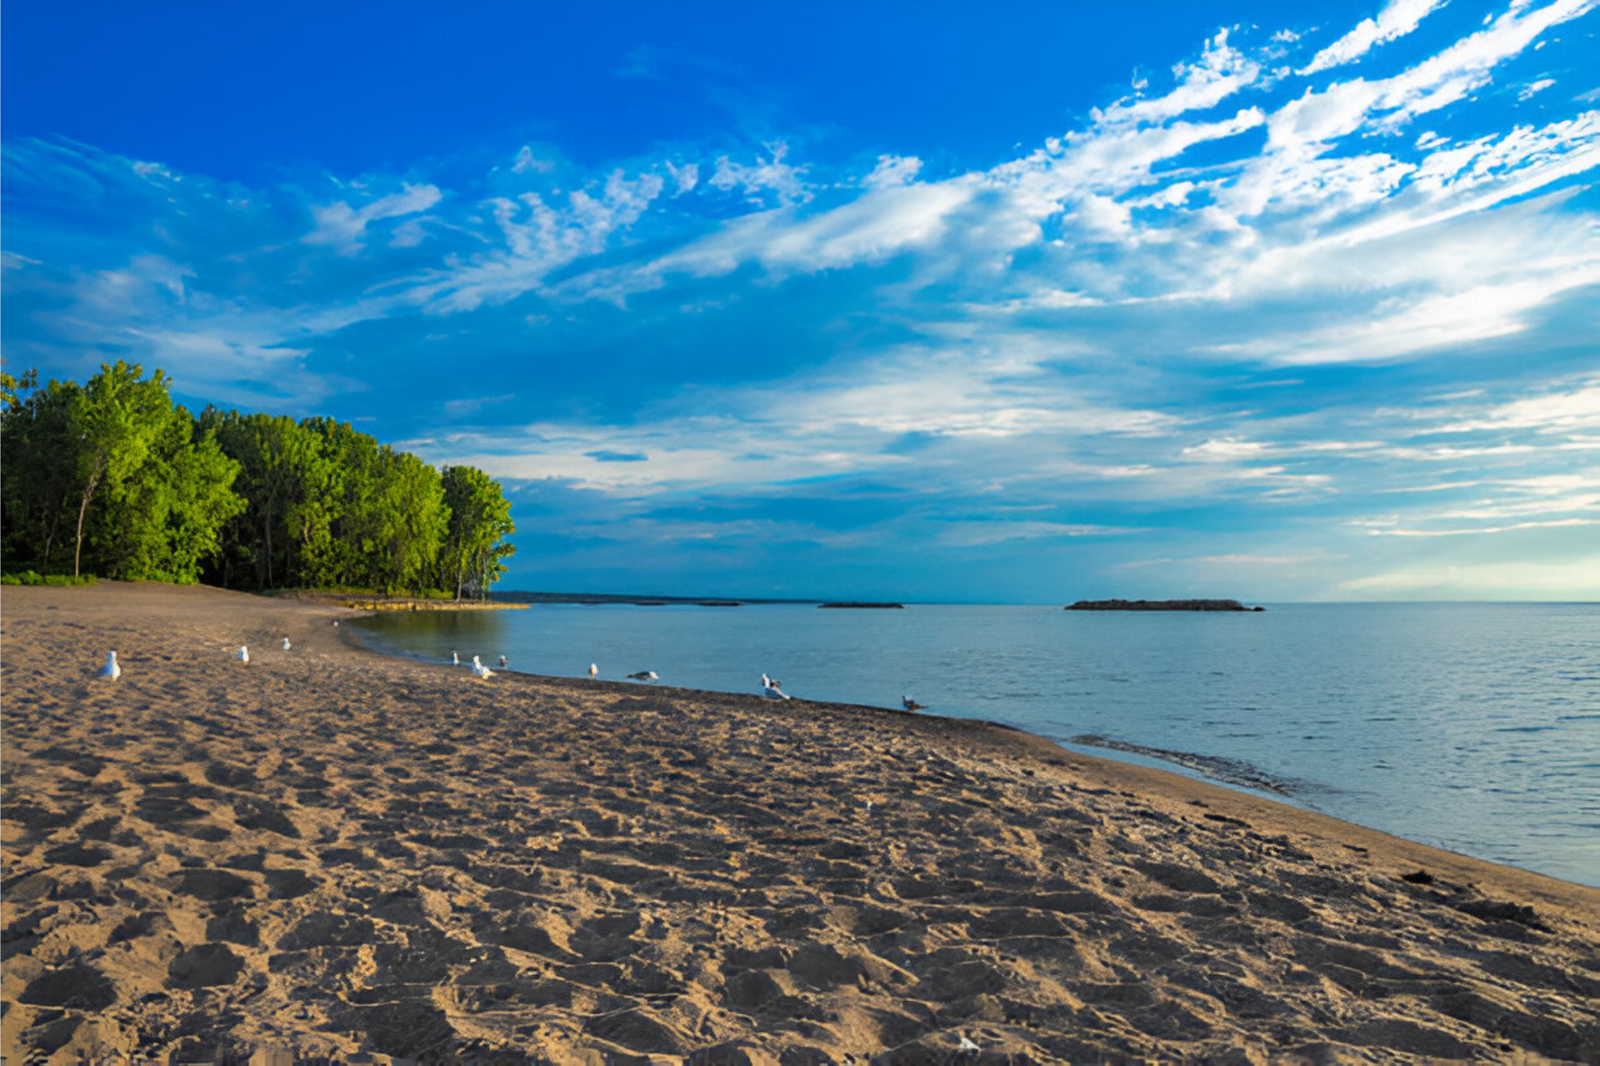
x=1160, y=605
x=855, y=604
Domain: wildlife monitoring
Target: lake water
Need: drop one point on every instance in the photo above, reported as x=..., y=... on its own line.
x=1472, y=727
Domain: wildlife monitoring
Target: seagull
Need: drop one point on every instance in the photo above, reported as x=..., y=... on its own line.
x=912, y=705
x=767, y=682
x=480, y=669
x=502, y=662
x=770, y=689
x=285, y=643
x=243, y=654
x=646, y=675
x=112, y=669
x=594, y=671
x=455, y=658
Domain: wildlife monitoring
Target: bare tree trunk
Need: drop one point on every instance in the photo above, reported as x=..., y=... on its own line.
x=83, y=509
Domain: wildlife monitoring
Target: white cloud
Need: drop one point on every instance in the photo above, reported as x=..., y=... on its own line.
x=1534, y=88
x=343, y=226
x=882, y=222
x=1401, y=327
x=529, y=163
x=893, y=170
x=538, y=237
x=1555, y=523
x=973, y=534
x=1221, y=71
x=1574, y=579
x=1575, y=409
x=763, y=176
x=1398, y=18
x=684, y=178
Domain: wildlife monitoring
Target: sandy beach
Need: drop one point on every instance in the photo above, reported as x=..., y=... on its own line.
x=329, y=852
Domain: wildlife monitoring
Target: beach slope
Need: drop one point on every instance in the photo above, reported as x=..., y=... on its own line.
x=326, y=851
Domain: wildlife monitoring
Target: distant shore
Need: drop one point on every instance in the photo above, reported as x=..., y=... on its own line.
x=328, y=851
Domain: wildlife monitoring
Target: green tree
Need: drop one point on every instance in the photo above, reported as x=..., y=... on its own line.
x=38, y=471
x=282, y=539
x=414, y=519
x=115, y=419
x=167, y=516
x=115, y=467
x=480, y=520
x=143, y=491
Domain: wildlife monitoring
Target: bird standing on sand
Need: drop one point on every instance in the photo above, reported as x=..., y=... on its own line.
x=502, y=662
x=455, y=658
x=243, y=655
x=480, y=669
x=912, y=705
x=594, y=671
x=285, y=643
x=646, y=675
x=112, y=669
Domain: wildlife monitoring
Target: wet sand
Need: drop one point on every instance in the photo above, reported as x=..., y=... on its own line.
x=330, y=852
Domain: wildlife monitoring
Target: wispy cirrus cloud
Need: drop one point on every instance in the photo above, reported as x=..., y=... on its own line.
x=1398, y=18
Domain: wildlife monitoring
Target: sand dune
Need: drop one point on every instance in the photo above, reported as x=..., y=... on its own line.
x=329, y=852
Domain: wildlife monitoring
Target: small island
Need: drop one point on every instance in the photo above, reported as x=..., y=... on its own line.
x=1160, y=605
x=868, y=606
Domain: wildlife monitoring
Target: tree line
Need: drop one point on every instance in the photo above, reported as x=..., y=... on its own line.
x=112, y=478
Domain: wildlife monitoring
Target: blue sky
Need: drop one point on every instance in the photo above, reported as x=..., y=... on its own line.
x=913, y=301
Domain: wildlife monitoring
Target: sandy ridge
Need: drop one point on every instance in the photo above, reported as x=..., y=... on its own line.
x=339, y=853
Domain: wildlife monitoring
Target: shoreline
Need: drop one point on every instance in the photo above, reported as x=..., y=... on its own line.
x=334, y=841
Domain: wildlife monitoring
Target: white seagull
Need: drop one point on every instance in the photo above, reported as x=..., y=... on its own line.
x=770, y=689
x=285, y=643
x=594, y=671
x=767, y=682
x=243, y=654
x=480, y=669
x=502, y=662
x=455, y=658
x=646, y=675
x=912, y=705
x=112, y=669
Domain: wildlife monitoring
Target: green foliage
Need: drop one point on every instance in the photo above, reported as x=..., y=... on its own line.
x=480, y=519
x=162, y=522
x=111, y=478
x=29, y=577
x=108, y=478
x=38, y=473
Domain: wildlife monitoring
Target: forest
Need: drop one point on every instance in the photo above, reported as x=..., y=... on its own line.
x=111, y=478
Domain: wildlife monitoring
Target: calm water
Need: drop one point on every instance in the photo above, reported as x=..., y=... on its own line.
x=1473, y=727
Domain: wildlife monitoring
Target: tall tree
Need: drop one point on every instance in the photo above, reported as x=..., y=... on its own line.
x=116, y=417
x=160, y=522
x=288, y=481
x=480, y=520
x=38, y=470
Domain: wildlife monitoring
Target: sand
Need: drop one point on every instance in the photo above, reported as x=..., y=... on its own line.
x=328, y=852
